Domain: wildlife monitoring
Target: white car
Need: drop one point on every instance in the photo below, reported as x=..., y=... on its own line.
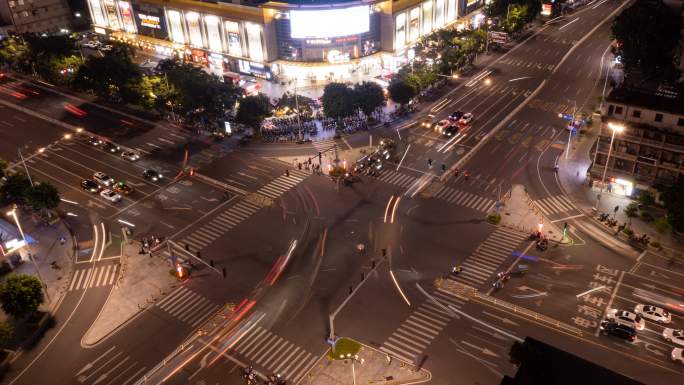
x=678, y=355
x=676, y=336
x=442, y=125
x=628, y=316
x=110, y=195
x=653, y=313
x=466, y=118
x=103, y=178
x=130, y=155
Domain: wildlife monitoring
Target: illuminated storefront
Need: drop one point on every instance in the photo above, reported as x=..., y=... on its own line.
x=303, y=41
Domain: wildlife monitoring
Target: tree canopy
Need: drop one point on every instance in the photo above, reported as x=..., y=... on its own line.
x=338, y=100
x=368, y=97
x=401, y=91
x=252, y=110
x=673, y=197
x=14, y=189
x=646, y=34
x=21, y=295
x=43, y=196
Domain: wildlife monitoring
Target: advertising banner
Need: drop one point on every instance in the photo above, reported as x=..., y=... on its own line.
x=150, y=20
x=127, y=16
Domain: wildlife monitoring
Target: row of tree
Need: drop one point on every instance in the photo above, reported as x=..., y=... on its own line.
x=340, y=100
x=188, y=93
x=20, y=296
x=512, y=15
x=16, y=188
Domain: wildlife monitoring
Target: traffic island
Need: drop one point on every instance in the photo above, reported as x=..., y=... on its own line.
x=366, y=366
x=144, y=280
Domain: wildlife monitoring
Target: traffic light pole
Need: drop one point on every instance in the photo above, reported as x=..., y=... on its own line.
x=177, y=247
x=331, y=317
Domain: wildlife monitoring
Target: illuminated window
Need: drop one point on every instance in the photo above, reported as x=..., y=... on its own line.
x=194, y=31
x=213, y=34
x=427, y=17
x=255, y=47
x=175, y=27
x=400, y=31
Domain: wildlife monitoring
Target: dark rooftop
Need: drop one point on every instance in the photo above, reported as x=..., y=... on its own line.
x=660, y=100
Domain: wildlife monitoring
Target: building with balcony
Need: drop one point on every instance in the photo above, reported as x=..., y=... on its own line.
x=20, y=16
x=650, y=150
x=310, y=41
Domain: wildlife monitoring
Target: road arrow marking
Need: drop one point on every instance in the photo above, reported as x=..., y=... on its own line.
x=90, y=364
x=481, y=350
x=659, y=275
x=503, y=319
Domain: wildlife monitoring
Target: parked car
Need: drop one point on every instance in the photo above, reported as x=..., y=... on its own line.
x=110, y=195
x=130, y=155
x=619, y=330
x=653, y=313
x=676, y=336
x=103, y=179
x=90, y=186
x=152, y=175
x=110, y=147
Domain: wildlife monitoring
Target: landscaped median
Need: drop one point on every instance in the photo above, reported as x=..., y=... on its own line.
x=356, y=363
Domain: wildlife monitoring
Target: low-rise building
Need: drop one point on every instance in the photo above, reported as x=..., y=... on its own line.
x=310, y=41
x=650, y=149
x=21, y=16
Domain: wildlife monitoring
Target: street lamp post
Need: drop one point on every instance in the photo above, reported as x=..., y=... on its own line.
x=23, y=162
x=572, y=125
x=13, y=214
x=616, y=128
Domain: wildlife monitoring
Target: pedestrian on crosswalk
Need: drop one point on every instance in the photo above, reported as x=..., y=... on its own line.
x=287, y=173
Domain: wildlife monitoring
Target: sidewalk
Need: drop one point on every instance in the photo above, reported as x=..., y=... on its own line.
x=55, y=261
x=142, y=282
x=520, y=213
x=370, y=366
x=572, y=176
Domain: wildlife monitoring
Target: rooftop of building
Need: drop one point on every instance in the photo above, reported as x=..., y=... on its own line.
x=657, y=100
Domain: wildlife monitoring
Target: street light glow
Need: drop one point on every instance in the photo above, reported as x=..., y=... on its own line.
x=618, y=128
x=67, y=136
x=488, y=81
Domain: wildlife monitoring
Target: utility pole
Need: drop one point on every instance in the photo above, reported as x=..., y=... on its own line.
x=572, y=127
x=299, y=122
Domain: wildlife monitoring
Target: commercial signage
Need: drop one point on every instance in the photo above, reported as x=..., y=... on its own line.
x=150, y=20
x=546, y=9
x=110, y=9
x=97, y=12
x=498, y=37
x=127, y=16
x=329, y=22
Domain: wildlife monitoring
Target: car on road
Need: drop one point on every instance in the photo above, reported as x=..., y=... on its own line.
x=456, y=115
x=466, y=119
x=429, y=121
x=90, y=186
x=110, y=195
x=94, y=140
x=677, y=355
x=627, y=316
x=122, y=188
x=152, y=175
x=130, y=155
x=653, y=313
x=110, y=147
x=676, y=336
x=619, y=330
x=103, y=178
x=442, y=125
x=450, y=130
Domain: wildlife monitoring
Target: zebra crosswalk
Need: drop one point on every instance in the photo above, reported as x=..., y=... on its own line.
x=275, y=354
x=554, y=205
x=283, y=183
x=324, y=145
x=220, y=225
x=187, y=306
x=464, y=198
x=488, y=257
x=230, y=218
x=94, y=277
x=396, y=178
x=418, y=331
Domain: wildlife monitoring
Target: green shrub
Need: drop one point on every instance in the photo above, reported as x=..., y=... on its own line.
x=655, y=244
x=646, y=216
x=344, y=347
x=494, y=218
x=628, y=231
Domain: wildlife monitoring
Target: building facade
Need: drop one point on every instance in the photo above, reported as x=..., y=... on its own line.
x=20, y=16
x=650, y=150
x=303, y=40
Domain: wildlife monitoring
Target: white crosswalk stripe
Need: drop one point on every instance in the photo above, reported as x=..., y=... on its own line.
x=488, y=257
x=101, y=276
x=416, y=333
x=396, y=178
x=464, y=198
x=187, y=306
x=324, y=145
x=554, y=205
x=275, y=354
x=219, y=225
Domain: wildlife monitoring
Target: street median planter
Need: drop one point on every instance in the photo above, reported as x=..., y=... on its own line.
x=494, y=218
x=343, y=349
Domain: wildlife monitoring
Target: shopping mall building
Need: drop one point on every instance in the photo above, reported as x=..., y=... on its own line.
x=307, y=40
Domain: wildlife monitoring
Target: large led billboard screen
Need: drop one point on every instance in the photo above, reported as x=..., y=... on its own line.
x=329, y=22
